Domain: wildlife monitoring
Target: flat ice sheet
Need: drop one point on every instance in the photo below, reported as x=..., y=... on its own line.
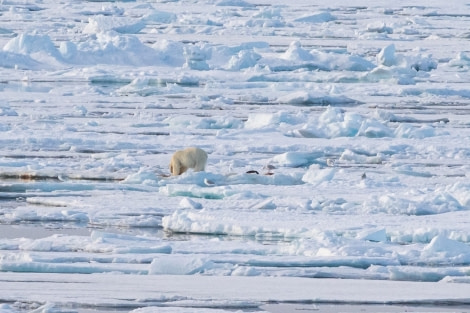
x=104, y=291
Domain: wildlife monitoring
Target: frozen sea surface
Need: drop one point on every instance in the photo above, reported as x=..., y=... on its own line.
x=337, y=137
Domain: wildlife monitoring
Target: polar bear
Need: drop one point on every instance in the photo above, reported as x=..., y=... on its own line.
x=181, y=160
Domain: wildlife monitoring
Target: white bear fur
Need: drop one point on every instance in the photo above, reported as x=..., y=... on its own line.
x=181, y=160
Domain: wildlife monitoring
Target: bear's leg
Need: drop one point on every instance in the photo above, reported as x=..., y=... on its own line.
x=182, y=170
x=201, y=161
x=174, y=167
x=200, y=166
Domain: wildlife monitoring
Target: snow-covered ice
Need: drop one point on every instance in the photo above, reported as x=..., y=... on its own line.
x=337, y=137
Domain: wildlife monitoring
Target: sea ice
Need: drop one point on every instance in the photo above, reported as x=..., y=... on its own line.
x=337, y=139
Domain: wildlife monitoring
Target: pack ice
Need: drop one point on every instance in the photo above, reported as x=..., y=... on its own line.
x=337, y=149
